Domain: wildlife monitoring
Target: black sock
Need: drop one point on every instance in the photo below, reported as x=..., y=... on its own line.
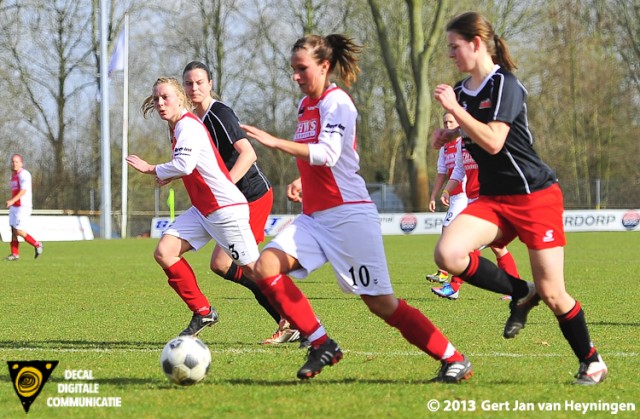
x=234, y=274
x=486, y=275
x=575, y=331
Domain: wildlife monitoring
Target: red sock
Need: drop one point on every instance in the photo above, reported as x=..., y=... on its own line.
x=508, y=264
x=33, y=242
x=455, y=283
x=15, y=249
x=290, y=302
x=184, y=283
x=418, y=330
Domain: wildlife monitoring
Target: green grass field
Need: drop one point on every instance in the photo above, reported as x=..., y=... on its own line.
x=105, y=306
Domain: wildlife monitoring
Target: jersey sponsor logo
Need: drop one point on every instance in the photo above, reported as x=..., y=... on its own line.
x=630, y=220
x=334, y=128
x=306, y=130
x=548, y=236
x=485, y=104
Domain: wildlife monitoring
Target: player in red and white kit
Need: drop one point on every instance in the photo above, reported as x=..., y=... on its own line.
x=465, y=173
x=240, y=159
x=20, y=206
x=458, y=197
x=339, y=223
x=219, y=212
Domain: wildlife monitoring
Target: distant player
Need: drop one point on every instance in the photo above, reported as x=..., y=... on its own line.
x=20, y=206
x=462, y=189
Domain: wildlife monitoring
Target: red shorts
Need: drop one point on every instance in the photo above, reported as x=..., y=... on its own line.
x=536, y=219
x=259, y=211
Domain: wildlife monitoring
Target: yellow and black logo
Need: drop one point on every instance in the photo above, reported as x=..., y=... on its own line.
x=28, y=378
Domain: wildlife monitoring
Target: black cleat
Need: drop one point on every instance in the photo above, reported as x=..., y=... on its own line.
x=453, y=372
x=199, y=322
x=329, y=353
x=519, y=311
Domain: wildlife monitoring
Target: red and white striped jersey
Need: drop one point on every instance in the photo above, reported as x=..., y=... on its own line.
x=18, y=182
x=330, y=177
x=197, y=161
x=447, y=162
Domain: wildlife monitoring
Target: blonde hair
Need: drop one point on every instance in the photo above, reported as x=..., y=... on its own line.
x=148, y=105
x=340, y=51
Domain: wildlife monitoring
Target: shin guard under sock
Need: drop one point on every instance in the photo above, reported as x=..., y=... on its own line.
x=486, y=275
x=183, y=281
x=574, y=328
x=290, y=302
x=418, y=330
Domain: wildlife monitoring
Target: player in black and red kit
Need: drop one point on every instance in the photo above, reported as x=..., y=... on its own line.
x=240, y=159
x=519, y=193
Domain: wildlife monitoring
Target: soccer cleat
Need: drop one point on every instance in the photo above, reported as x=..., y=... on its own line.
x=38, y=251
x=329, y=353
x=519, y=311
x=439, y=277
x=283, y=334
x=445, y=291
x=591, y=374
x=453, y=372
x=199, y=322
x=12, y=257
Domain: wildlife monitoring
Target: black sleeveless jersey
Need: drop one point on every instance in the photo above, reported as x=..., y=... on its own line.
x=517, y=168
x=224, y=127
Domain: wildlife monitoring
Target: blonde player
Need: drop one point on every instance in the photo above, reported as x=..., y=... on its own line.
x=20, y=206
x=339, y=223
x=219, y=212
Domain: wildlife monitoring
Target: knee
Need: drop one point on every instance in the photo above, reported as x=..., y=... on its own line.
x=266, y=266
x=556, y=299
x=450, y=259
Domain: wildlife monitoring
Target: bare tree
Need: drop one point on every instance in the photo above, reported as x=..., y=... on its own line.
x=414, y=113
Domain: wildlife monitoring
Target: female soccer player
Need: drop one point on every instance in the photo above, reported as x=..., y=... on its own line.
x=20, y=207
x=219, y=212
x=519, y=194
x=240, y=159
x=338, y=216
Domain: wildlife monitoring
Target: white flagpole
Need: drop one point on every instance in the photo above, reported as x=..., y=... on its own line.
x=105, y=214
x=125, y=129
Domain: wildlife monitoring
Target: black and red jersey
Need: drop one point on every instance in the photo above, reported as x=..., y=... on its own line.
x=223, y=125
x=517, y=168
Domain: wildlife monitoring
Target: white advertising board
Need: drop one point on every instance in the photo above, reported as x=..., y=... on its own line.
x=431, y=222
x=51, y=228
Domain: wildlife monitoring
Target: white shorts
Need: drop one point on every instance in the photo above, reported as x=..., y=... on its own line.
x=349, y=238
x=19, y=217
x=457, y=203
x=228, y=226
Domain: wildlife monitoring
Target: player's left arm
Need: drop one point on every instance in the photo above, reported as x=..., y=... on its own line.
x=336, y=117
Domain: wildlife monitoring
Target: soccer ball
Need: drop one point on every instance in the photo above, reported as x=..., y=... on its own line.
x=185, y=360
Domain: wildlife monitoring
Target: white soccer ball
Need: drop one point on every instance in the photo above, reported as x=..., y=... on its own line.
x=185, y=360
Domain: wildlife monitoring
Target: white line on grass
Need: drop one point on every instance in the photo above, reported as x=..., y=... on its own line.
x=240, y=351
